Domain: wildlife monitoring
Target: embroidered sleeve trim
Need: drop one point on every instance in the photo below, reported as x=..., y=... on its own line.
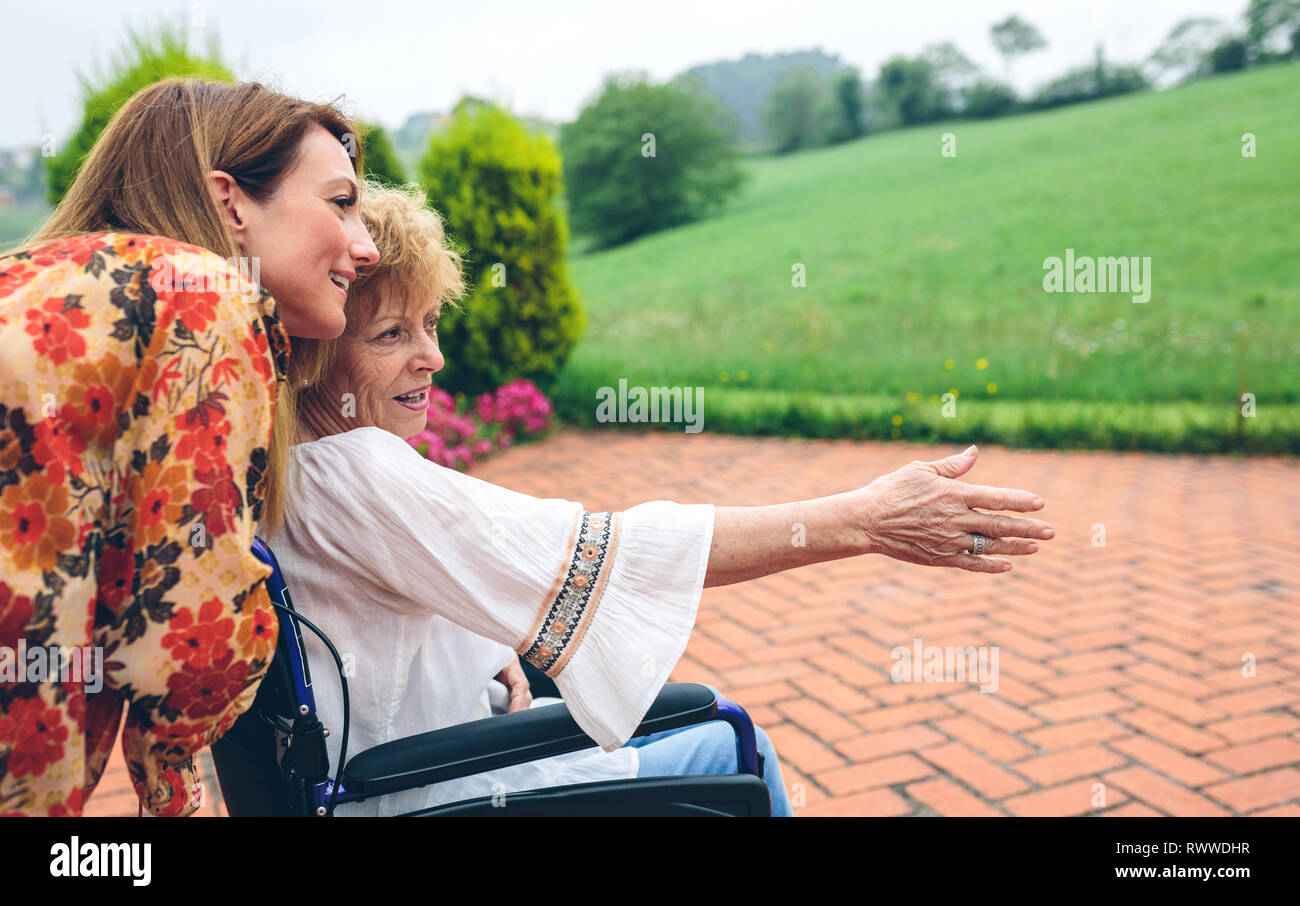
x=576, y=593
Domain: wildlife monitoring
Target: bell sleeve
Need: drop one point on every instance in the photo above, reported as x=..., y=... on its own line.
x=603, y=602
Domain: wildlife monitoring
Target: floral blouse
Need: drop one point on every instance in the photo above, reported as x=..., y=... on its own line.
x=138, y=381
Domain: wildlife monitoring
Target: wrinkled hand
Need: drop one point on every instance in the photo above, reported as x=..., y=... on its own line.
x=921, y=514
x=513, y=678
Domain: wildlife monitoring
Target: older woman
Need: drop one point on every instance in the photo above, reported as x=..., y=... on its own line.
x=427, y=579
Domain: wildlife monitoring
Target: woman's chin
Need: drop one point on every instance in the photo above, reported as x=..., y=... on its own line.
x=413, y=426
x=323, y=323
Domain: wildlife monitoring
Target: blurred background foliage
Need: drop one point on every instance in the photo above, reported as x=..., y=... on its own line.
x=146, y=57
x=643, y=158
x=496, y=183
x=914, y=260
x=380, y=155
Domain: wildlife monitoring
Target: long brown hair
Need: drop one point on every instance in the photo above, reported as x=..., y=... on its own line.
x=146, y=174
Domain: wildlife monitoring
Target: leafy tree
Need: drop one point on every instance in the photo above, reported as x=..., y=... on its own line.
x=844, y=105
x=987, y=98
x=826, y=120
x=496, y=184
x=743, y=86
x=145, y=58
x=1089, y=82
x=952, y=73
x=790, y=114
x=907, y=89
x=1184, y=54
x=724, y=119
x=382, y=162
x=1014, y=37
x=643, y=157
x=1230, y=55
x=1264, y=18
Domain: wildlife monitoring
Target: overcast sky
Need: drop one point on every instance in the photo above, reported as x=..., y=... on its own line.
x=390, y=59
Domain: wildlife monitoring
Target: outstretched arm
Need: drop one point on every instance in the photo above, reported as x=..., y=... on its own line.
x=918, y=514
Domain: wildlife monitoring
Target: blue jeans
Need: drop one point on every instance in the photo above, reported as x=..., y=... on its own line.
x=708, y=748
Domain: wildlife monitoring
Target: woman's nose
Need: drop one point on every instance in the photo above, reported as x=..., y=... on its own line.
x=430, y=356
x=361, y=247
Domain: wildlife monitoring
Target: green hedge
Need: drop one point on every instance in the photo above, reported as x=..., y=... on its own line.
x=497, y=184
x=1155, y=427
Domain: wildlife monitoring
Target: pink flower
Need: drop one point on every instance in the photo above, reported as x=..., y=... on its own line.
x=441, y=399
x=457, y=430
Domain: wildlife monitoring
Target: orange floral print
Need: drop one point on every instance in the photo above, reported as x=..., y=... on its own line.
x=198, y=641
x=58, y=447
x=55, y=325
x=197, y=310
x=131, y=475
x=100, y=391
x=257, y=636
x=158, y=494
x=256, y=346
x=205, y=444
x=36, y=734
x=33, y=524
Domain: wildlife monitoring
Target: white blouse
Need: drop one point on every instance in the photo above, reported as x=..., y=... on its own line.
x=428, y=581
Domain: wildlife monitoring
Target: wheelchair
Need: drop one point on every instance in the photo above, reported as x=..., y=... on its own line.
x=273, y=761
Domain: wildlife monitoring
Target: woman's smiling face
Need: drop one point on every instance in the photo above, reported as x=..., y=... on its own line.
x=308, y=238
x=387, y=363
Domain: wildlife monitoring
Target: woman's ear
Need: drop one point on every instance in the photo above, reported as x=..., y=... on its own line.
x=230, y=201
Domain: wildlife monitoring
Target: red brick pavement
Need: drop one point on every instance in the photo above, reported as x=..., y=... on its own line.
x=1121, y=685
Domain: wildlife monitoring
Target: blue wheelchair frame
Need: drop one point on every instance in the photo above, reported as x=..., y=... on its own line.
x=299, y=783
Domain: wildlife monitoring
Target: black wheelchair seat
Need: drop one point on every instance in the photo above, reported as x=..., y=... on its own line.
x=273, y=761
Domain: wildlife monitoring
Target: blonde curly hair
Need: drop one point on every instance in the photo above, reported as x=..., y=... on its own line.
x=416, y=261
